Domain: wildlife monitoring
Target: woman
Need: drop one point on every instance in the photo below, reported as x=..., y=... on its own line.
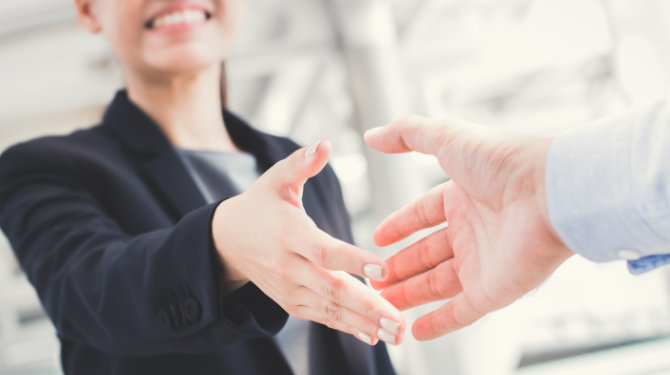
x=142, y=253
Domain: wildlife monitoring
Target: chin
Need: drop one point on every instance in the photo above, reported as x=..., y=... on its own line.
x=180, y=61
x=184, y=65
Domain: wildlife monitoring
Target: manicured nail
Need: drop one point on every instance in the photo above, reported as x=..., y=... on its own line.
x=373, y=272
x=386, y=336
x=372, y=132
x=312, y=150
x=365, y=338
x=389, y=325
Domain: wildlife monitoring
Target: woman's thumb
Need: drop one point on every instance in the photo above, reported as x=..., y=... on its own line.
x=289, y=175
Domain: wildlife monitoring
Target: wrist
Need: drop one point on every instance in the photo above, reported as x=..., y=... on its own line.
x=224, y=243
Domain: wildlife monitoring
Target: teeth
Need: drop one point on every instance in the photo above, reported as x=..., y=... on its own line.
x=179, y=17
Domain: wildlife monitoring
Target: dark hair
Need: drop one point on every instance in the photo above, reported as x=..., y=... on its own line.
x=223, y=87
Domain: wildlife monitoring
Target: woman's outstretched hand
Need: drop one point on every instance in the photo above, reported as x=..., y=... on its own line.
x=498, y=243
x=265, y=236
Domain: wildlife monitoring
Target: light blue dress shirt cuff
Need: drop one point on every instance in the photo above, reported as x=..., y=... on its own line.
x=608, y=189
x=648, y=263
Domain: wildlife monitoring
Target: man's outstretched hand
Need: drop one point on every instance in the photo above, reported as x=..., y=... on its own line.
x=498, y=244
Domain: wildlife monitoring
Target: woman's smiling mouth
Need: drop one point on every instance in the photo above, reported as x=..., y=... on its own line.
x=178, y=17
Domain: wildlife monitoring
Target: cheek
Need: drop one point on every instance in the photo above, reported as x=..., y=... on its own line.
x=128, y=44
x=232, y=13
x=123, y=29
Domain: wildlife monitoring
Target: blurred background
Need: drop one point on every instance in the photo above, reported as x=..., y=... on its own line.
x=314, y=69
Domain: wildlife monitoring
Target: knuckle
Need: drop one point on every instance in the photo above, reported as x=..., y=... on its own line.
x=332, y=313
x=281, y=267
x=334, y=289
x=290, y=164
x=282, y=272
x=459, y=318
x=298, y=312
x=369, y=308
x=321, y=254
x=329, y=323
x=420, y=213
x=424, y=256
x=437, y=287
x=443, y=138
x=294, y=293
x=287, y=306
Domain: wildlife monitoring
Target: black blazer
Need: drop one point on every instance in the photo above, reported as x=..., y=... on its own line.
x=115, y=237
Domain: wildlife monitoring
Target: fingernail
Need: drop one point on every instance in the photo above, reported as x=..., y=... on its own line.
x=373, y=271
x=372, y=132
x=389, y=325
x=386, y=336
x=365, y=338
x=312, y=150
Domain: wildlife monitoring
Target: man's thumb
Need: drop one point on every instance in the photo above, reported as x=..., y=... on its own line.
x=288, y=176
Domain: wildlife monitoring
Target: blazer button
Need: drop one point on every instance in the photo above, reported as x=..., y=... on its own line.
x=192, y=310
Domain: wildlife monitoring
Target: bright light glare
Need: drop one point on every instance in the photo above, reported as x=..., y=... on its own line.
x=640, y=70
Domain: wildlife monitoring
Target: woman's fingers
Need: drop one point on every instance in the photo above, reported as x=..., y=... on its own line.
x=425, y=212
x=350, y=293
x=314, y=307
x=437, y=284
x=454, y=315
x=417, y=258
x=288, y=176
x=333, y=254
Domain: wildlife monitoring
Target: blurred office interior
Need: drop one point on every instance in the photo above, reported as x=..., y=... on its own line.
x=314, y=69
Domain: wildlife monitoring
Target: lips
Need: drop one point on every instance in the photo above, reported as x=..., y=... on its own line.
x=175, y=17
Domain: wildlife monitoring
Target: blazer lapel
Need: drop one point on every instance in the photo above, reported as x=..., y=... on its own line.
x=159, y=161
x=169, y=176
x=155, y=155
x=359, y=355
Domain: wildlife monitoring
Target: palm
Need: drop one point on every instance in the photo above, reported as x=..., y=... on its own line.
x=493, y=251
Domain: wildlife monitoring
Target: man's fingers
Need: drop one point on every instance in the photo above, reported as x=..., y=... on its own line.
x=288, y=176
x=437, y=284
x=417, y=258
x=411, y=133
x=454, y=315
x=425, y=212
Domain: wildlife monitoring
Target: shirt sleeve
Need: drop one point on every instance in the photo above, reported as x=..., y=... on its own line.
x=608, y=188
